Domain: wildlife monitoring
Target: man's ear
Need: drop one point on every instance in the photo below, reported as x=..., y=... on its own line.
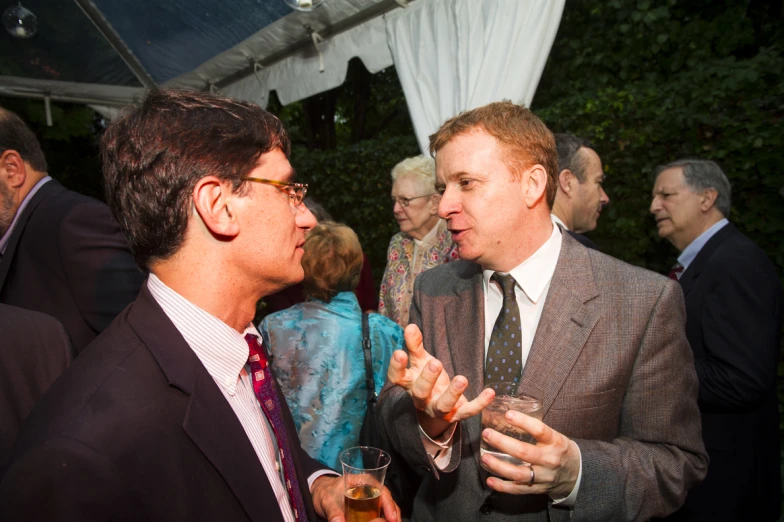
x=213, y=200
x=566, y=180
x=708, y=199
x=13, y=168
x=535, y=185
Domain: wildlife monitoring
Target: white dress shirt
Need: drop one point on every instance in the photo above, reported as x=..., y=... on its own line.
x=224, y=353
x=532, y=278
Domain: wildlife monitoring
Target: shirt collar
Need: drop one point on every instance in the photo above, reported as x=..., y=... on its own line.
x=555, y=219
x=222, y=350
x=7, y=236
x=534, y=274
x=691, y=251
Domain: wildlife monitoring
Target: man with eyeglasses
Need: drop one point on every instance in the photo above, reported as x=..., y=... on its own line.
x=172, y=413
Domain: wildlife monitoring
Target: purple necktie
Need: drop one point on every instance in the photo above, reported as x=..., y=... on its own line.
x=264, y=386
x=676, y=272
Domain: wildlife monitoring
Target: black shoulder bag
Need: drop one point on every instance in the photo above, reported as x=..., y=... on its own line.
x=368, y=433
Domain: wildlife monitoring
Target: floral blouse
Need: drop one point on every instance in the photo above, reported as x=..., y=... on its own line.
x=405, y=261
x=318, y=362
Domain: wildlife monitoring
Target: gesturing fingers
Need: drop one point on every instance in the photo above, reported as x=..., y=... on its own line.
x=424, y=385
x=413, y=338
x=462, y=408
x=397, y=368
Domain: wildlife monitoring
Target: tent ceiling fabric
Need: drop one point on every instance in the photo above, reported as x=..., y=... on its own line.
x=441, y=49
x=192, y=44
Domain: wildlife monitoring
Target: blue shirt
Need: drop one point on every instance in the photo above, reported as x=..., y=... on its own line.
x=320, y=367
x=691, y=251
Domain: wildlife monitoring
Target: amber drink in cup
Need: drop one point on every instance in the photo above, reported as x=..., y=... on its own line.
x=364, y=470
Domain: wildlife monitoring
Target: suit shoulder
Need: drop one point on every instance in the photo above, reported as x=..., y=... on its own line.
x=740, y=249
x=453, y=271
x=22, y=318
x=610, y=270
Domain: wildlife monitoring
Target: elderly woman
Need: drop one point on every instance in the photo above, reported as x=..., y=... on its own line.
x=423, y=241
x=316, y=346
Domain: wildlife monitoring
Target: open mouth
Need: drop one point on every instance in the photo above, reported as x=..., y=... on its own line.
x=457, y=235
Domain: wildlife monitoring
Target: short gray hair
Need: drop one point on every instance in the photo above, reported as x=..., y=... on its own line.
x=700, y=175
x=422, y=168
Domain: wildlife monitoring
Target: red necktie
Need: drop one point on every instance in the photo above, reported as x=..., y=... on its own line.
x=264, y=386
x=676, y=272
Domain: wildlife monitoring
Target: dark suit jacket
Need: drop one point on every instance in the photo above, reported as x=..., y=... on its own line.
x=137, y=429
x=610, y=362
x=34, y=351
x=68, y=258
x=734, y=316
x=583, y=240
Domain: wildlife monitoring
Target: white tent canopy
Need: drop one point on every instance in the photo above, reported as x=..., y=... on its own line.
x=451, y=55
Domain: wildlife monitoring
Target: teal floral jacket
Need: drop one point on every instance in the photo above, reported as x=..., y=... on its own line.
x=318, y=362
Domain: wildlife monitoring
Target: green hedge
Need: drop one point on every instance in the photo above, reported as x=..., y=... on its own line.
x=353, y=184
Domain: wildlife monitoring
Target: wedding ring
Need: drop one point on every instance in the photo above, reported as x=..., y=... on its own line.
x=530, y=481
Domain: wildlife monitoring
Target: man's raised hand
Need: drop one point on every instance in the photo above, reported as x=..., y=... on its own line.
x=439, y=401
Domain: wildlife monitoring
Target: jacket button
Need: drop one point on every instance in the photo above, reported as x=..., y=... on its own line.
x=485, y=509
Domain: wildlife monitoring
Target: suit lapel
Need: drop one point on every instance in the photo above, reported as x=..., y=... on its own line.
x=209, y=421
x=703, y=256
x=47, y=190
x=566, y=322
x=465, y=318
x=465, y=340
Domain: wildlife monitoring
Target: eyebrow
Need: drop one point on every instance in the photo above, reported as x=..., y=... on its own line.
x=291, y=176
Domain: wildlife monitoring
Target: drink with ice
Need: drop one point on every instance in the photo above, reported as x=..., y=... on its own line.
x=493, y=417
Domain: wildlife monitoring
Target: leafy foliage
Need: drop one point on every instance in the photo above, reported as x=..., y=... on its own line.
x=651, y=82
x=70, y=145
x=353, y=184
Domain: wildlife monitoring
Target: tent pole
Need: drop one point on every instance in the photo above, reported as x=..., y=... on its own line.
x=94, y=15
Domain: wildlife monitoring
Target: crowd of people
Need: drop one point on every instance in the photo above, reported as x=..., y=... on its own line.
x=134, y=384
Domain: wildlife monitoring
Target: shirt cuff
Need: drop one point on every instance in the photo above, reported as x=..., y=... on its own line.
x=321, y=473
x=440, y=449
x=570, y=500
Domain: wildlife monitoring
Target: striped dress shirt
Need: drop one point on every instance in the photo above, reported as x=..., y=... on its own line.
x=224, y=353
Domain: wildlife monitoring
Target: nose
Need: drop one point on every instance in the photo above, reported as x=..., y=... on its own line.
x=604, y=199
x=448, y=205
x=655, y=205
x=397, y=207
x=305, y=218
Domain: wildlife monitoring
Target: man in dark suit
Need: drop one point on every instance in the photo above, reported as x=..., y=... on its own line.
x=580, y=197
x=35, y=351
x=61, y=253
x=528, y=310
x=172, y=413
x=734, y=316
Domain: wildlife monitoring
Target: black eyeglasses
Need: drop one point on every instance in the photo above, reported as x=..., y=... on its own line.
x=404, y=202
x=295, y=191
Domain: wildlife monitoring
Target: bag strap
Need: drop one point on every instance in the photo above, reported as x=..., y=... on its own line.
x=366, y=348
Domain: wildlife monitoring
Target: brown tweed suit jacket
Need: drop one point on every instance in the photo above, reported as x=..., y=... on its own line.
x=610, y=361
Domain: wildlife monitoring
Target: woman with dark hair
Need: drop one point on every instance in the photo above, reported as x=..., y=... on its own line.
x=316, y=346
